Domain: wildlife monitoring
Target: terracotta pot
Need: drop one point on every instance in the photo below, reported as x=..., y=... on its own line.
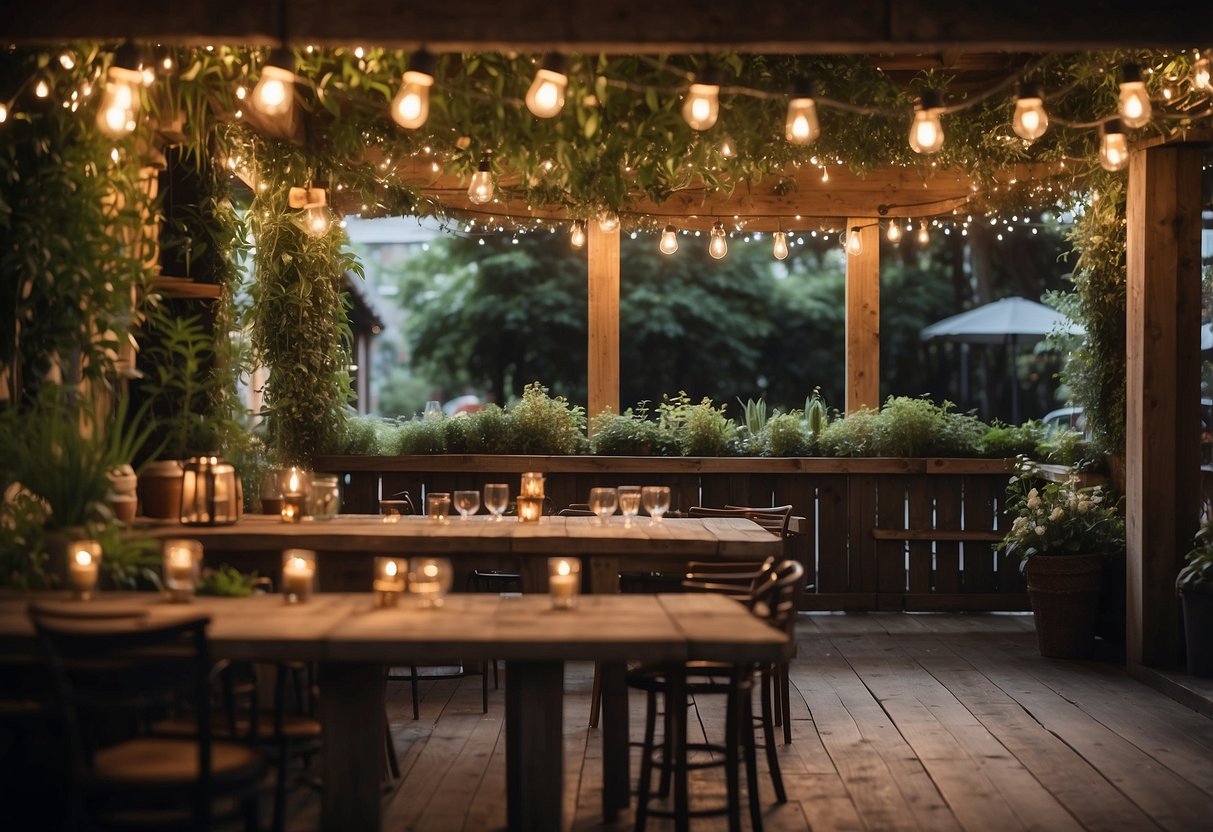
x=1198, y=631
x=1065, y=600
x=160, y=489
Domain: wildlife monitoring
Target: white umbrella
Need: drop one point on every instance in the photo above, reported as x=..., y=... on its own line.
x=1000, y=322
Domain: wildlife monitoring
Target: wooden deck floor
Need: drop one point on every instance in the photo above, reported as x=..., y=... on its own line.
x=933, y=722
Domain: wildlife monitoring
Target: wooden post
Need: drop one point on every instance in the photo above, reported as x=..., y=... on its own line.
x=602, y=382
x=863, y=318
x=1162, y=427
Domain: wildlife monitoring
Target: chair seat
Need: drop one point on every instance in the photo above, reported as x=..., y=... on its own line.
x=294, y=727
x=162, y=761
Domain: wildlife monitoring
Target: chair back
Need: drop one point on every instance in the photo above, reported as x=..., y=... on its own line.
x=774, y=519
x=575, y=511
x=737, y=579
x=775, y=598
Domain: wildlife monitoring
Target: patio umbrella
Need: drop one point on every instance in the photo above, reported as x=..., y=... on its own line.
x=1000, y=322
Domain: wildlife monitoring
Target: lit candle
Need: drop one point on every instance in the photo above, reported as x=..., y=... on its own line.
x=83, y=568
x=438, y=505
x=429, y=579
x=295, y=484
x=389, y=580
x=532, y=485
x=182, y=559
x=298, y=570
x=530, y=509
x=564, y=583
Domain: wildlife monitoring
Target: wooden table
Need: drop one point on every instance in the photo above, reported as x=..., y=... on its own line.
x=665, y=545
x=353, y=642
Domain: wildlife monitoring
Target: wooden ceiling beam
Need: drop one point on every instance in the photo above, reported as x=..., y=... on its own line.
x=763, y=26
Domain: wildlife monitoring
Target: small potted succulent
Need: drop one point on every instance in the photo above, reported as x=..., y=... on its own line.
x=1195, y=585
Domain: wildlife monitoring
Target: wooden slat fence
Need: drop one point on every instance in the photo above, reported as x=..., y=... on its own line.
x=875, y=534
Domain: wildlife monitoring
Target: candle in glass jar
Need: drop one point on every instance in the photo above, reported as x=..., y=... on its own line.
x=564, y=582
x=295, y=485
x=298, y=571
x=532, y=485
x=181, y=561
x=530, y=509
x=389, y=580
x=83, y=567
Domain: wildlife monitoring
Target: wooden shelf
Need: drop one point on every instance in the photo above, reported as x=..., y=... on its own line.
x=183, y=287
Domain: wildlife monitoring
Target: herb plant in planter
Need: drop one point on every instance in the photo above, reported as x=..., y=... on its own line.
x=1195, y=585
x=1062, y=534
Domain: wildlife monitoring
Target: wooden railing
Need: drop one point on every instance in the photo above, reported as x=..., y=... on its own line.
x=875, y=534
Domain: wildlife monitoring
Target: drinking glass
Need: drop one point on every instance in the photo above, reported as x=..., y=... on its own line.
x=433, y=410
x=496, y=498
x=467, y=502
x=656, y=501
x=603, y=502
x=437, y=505
x=629, y=503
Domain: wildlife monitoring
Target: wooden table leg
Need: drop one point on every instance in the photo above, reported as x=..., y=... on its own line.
x=616, y=779
x=677, y=700
x=534, y=745
x=352, y=718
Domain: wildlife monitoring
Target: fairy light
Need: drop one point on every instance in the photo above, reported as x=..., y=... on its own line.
x=42, y=88
x=480, y=190
x=120, y=100
x=926, y=131
x=924, y=236
x=577, y=234
x=718, y=247
x=669, y=240
x=545, y=98
x=67, y=61
x=411, y=106
x=702, y=105
x=1134, y=100
x=801, y=126
x=274, y=94
x=1030, y=120
x=893, y=235
x=1202, y=75
x=780, y=249
x=1113, y=149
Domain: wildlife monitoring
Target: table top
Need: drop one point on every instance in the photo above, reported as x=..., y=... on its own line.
x=347, y=627
x=706, y=538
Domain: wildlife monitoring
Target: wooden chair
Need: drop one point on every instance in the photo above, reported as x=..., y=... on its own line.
x=113, y=677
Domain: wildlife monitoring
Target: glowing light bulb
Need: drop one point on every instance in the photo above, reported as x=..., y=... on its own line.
x=923, y=236
x=719, y=246
x=317, y=221
x=577, y=234
x=893, y=235
x=411, y=106
x=1030, y=120
x=801, y=126
x=609, y=222
x=3, y=113
x=1202, y=77
x=926, y=131
x=702, y=105
x=274, y=94
x=1134, y=100
x=545, y=98
x=1113, y=149
x=854, y=244
x=669, y=240
x=480, y=190
x=728, y=148
x=120, y=101
x=42, y=89
x=781, y=245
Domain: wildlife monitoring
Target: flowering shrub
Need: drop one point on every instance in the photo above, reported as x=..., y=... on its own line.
x=1059, y=518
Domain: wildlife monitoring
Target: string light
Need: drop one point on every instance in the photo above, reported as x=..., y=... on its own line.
x=315, y=219
x=924, y=236
x=801, y=126
x=719, y=246
x=274, y=94
x=1113, y=149
x=702, y=105
x=1202, y=77
x=1030, y=120
x=893, y=235
x=926, y=131
x=1134, y=100
x=411, y=106
x=545, y=98
x=728, y=149
x=781, y=245
x=42, y=89
x=120, y=101
x=577, y=234
x=480, y=190
x=609, y=222
x=3, y=112
x=669, y=240
x=855, y=242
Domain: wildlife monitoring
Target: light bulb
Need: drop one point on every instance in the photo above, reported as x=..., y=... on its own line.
x=1030, y=120
x=801, y=126
x=728, y=148
x=480, y=190
x=923, y=236
x=609, y=221
x=1113, y=149
x=577, y=234
x=274, y=94
x=669, y=240
x=926, y=131
x=781, y=245
x=3, y=113
x=1134, y=100
x=702, y=105
x=411, y=106
x=719, y=246
x=42, y=89
x=316, y=221
x=120, y=101
x=1201, y=76
x=854, y=242
x=545, y=98
x=893, y=235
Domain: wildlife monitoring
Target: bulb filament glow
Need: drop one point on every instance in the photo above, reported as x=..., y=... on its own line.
x=854, y=242
x=702, y=106
x=719, y=246
x=1134, y=100
x=893, y=235
x=669, y=240
x=1113, y=149
x=781, y=245
x=545, y=98
x=577, y=234
x=411, y=106
x=802, y=126
x=480, y=190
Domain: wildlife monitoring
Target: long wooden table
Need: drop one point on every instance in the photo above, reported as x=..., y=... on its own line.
x=353, y=641
x=607, y=547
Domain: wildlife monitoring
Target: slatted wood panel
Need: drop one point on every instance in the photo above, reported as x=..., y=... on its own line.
x=875, y=533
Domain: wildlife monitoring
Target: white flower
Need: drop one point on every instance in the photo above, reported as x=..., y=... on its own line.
x=1019, y=524
x=1057, y=513
x=1040, y=530
x=1033, y=501
x=1033, y=494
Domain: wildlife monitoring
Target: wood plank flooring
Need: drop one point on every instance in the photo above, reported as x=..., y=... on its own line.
x=900, y=722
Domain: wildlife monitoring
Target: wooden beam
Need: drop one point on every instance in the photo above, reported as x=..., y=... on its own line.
x=863, y=319
x=1163, y=376
x=621, y=26
x=602, y=381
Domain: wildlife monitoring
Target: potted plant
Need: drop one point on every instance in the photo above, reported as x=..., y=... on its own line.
x=1062, y=534
x=1195, y=585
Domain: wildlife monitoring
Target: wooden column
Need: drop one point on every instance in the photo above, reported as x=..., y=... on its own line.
x=602, y=381
x=863, y=319
x=1162, y=427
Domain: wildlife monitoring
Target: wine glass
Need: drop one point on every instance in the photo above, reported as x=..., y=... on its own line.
x=467, y=503
x=629, y=503
x=603, y=502
x=656, y=501
x=496, y=498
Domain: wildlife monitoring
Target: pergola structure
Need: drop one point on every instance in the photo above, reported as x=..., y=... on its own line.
x=1164, y=197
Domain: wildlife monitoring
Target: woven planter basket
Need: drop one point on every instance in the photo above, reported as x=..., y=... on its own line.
x=1065, y=600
